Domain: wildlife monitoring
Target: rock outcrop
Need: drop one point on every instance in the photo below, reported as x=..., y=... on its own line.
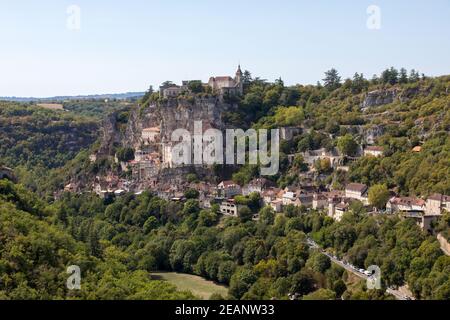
x=379, y=98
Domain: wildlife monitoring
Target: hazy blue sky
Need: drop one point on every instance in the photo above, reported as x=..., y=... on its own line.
x=129, y=45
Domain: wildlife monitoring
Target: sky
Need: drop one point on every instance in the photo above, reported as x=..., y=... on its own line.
x=123, y=46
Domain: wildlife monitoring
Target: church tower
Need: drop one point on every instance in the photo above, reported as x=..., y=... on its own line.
x=239, y=80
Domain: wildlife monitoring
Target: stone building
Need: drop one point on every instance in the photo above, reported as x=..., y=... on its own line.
x=228, y=85
x=357, y=191
x=151, y=135
x=436, y=203
x=229, y=208
x=374, y=151
x=405, y=204
x=224, y=85
x=228, y=189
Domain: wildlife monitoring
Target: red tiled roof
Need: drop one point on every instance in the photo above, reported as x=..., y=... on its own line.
x=408, y=201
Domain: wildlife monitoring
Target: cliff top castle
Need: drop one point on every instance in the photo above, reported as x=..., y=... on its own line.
x=224, y=85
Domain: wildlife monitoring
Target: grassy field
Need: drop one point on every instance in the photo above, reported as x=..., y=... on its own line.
x=197, y=285
x=51, y=106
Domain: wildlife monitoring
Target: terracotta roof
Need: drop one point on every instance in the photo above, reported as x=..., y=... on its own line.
x=407, y=201
x=359, y=187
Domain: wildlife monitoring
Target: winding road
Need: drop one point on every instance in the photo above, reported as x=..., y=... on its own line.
x=396, y=293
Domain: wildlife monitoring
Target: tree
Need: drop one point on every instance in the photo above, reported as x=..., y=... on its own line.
x=339, y=287
x=150, y=224
x=347, y=145
x=191, y=177
x=303, y=282
x=323, y=165
x=359, y=83
x=267, y=216
x=290, y=116
x=195, y=86
x=378, y=195
x=332, y=80
x=191, y=194
x=320, y=262
x=390, y=76
x=245, y=214
x=125, y=154
x=299, y=163
x=414, y=76
x=225, y=272
x=241, y=281
x=403, y=76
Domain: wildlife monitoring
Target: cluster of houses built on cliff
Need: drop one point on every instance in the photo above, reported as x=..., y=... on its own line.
x=336, y=203
x=154, y=155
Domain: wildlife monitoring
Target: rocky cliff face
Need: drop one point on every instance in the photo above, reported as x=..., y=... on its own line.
x=386, y=96
x=165, y=116
x=173, y=114
x=379, y=98
x=168, y=115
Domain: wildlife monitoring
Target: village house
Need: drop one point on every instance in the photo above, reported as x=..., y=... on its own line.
x=257, y=185
x=170, y=90
x=337, y=207
x=276, y=205
x=228, y=189
x=297, y=197
x=357, y=191
x=374, y=151
x=229, y=208
x=271, y=194
x=405, y=204
x=437, y=203
x=416, y=209
x=311, y=156
x=320, y=201
x=151, y=135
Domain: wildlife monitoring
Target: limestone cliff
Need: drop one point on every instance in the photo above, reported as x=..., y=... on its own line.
x=162, y=117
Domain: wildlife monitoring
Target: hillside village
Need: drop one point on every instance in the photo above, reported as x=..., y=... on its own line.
x=363, y=180
x=151, y=167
